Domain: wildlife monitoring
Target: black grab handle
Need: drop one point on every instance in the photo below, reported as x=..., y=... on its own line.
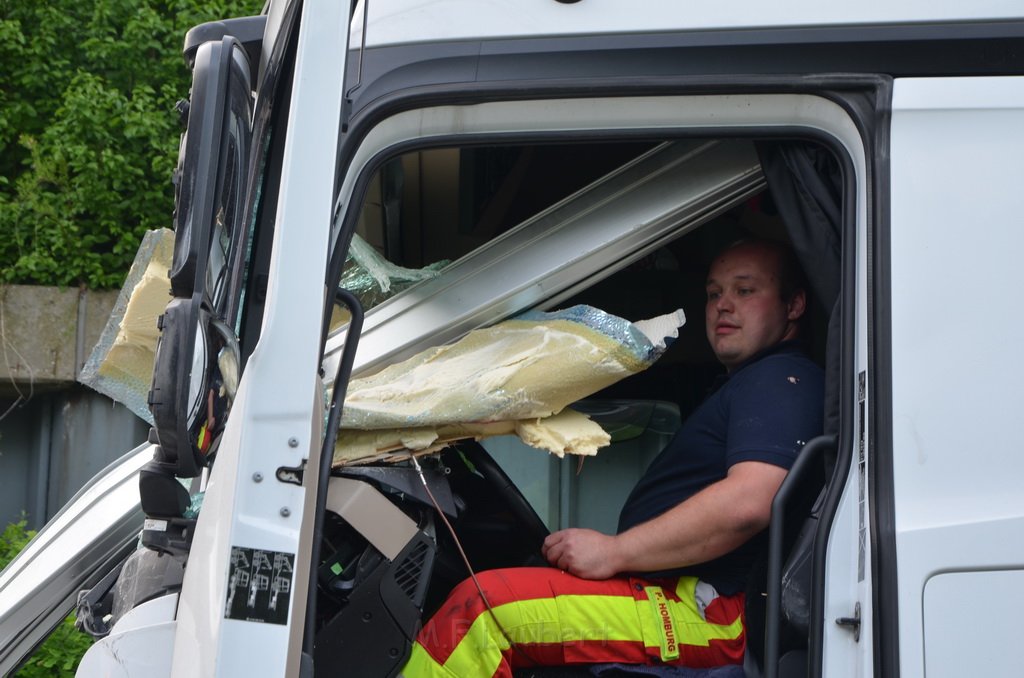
x=805, y=461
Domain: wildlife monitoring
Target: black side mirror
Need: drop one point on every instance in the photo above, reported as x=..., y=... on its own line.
x=197, y=356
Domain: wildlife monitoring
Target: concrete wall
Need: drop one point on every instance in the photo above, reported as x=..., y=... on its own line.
x=54, y=433
x=46, y=333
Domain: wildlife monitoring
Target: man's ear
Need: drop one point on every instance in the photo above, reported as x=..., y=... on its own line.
x=797, y=305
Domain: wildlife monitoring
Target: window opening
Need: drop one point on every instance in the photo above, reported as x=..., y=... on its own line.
x=429, y=210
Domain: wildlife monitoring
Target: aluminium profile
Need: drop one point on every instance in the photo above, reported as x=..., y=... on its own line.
x=617, y=219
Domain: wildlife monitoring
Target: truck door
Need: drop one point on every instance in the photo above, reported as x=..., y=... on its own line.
x=250, y=527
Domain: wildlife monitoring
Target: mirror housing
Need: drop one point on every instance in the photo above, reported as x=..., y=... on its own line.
x=189, y=399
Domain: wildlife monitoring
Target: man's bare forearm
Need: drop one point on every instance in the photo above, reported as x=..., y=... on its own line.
x=709, y=524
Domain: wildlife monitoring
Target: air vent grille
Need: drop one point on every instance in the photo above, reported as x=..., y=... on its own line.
x=408, y=574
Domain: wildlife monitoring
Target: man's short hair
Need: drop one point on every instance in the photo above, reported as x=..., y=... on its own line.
x=791, y=274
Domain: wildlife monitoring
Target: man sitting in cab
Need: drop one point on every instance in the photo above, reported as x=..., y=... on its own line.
x=668, y=588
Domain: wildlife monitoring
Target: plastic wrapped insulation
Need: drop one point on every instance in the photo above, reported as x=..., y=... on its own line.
x=529, y=367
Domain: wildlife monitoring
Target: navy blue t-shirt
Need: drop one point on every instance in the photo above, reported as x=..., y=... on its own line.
x=765, y=410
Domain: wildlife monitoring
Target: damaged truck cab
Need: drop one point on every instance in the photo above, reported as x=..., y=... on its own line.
x=363, y=189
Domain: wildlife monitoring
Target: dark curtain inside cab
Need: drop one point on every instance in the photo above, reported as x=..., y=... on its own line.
x=807, y=186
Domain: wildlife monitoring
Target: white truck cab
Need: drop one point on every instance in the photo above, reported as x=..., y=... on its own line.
x=497, y=158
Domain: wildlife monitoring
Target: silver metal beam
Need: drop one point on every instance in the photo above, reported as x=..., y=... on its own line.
x=586, y=237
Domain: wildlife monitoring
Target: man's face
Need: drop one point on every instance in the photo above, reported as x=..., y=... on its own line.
x=745, y=312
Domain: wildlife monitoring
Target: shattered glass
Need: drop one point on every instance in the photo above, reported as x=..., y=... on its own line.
x=373, y=279
x=121, y=363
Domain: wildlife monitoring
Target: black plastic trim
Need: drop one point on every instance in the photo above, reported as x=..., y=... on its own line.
x=881, y=484
x=835, y=87
x=940, y=49
x=270, y=123
x=806, y=463
x=199, y=166
x=247, y=30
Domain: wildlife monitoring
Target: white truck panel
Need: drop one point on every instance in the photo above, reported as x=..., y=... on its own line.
x=139, y=644
x=956, y=175
x=982, y=602
x=410, y=21
x=272, y=427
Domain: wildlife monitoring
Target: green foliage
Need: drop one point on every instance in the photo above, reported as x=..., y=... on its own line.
x=88, y=131
x=59, y=655
x=14, y=538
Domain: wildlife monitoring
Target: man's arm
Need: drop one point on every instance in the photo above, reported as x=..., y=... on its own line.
x=709, y=524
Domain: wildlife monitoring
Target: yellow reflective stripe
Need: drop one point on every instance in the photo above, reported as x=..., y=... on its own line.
x=545, y=620
x=479, y=651
x=569, y=618
x=702, y=633
x=663, y=621
x=597, y=618
x=693, y=628
x=422, y=665
x=686, y=589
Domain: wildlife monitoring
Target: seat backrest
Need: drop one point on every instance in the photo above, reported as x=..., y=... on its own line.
x=797, y=573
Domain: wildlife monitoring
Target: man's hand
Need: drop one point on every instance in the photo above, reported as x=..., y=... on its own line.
x=588, y=554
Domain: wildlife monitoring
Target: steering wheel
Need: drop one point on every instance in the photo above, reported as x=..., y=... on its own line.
x=507, y=491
